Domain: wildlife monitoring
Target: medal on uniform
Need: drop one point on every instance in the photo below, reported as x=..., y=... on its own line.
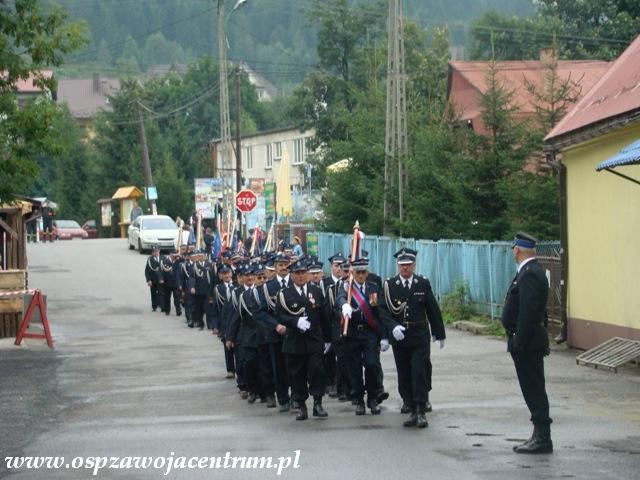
x=373, y=299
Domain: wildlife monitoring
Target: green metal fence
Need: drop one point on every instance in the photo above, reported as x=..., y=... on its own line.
x=484, y=268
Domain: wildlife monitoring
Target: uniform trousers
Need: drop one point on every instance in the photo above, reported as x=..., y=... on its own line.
x=249, y=361
x=166, y=304
x=361, y=348
x=414, y=379
x=530, y=369
x=239, y=358
x=156, y=296
x=265, y=371
x=199, y=304
x=280, y=371
x=343, y=385
x=307, y=375
x=229, y=359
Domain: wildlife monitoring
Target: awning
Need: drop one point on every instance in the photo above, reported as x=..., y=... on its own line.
x=629, y=155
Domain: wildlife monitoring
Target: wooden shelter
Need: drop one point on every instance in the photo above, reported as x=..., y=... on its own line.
x=14, y=260
x=126, y=196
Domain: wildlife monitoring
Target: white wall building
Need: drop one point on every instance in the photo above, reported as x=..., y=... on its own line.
x=262, y=155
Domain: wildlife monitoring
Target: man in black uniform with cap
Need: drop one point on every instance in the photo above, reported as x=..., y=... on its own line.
x=524, y=318
x=153, y=275
x=169, y=268
x=222, y=294
x=411, y=310
x=365, y=332
x=307, y=337
x=199, y=287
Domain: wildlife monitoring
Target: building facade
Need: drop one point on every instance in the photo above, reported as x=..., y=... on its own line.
x=602, y=224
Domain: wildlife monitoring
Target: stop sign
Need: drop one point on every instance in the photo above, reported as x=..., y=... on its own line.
x=246, y=201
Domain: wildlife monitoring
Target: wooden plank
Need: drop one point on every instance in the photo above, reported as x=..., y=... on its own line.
x=11, y=305
x=11, y=231
x=13, y=279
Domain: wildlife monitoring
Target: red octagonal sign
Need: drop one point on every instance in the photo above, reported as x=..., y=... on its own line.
x=246, y=201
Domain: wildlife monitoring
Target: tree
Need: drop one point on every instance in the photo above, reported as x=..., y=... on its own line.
x=30, y=38
x=585, y=29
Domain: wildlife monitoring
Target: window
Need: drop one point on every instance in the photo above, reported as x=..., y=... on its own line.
x=248, y=157
x=298, y=151
x=269, y=155
x=278, y=151
x=307, y=146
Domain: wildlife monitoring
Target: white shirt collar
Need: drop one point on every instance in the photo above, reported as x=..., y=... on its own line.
x=524, y=262
x=410, y=280
x=286, y=279
x=335, y=279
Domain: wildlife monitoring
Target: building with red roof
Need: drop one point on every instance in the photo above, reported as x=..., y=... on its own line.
x=598, y=146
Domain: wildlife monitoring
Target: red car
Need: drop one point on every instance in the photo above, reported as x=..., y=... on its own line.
x=68, y=230
x=90, y=227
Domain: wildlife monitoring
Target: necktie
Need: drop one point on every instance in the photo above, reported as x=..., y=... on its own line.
x=284, y=283
x=406, y=285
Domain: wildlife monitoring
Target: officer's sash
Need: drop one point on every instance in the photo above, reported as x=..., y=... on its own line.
x=364, y=307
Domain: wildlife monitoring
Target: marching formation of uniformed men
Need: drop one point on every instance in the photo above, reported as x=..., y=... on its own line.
x=290, y=334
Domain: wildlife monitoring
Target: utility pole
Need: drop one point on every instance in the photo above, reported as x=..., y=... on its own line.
x=238, y=145
x=146, y=165
x=225, y=122
x=396, y=147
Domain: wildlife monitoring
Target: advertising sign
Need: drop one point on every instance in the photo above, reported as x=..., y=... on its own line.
x=207, y=191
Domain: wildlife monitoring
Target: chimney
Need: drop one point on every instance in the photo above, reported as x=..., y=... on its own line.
x=548, y=55
x=96, y=83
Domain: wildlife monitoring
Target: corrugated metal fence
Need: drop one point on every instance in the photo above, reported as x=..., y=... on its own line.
x=484, y=268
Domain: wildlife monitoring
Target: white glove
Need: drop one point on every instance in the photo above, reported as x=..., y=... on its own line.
x=384, y=345
x=441, y=342
x=347, y=310
x=327, y=346
x=303, y=324
x=398, y=332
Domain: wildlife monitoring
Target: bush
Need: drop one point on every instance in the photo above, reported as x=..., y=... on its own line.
x=456, y=305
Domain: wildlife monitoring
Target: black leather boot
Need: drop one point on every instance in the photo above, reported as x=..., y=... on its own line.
x=421, y=417
x=374, y=407
x=405, y=408
x=540, y=441
x=318, y=411
x=303, y=414
x=411, y=421
x=360, y=410
x=252, y=398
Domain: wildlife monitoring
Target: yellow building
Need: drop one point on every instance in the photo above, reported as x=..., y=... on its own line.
x=602, y=204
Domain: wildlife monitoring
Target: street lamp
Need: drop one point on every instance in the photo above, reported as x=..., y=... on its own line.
x=239, y=4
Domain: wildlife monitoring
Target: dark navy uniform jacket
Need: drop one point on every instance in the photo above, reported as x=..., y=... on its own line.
x=416, y=309
x=291, y=306
x=243, y=328
x=152, y=270
x=524, y=315
x=373, y=297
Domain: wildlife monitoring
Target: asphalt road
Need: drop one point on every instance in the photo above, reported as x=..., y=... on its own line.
x=124, y=381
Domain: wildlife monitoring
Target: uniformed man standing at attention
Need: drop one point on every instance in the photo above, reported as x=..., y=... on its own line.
x=411, y=310
x=307, y=337
x=153, y=275
x=524, y=318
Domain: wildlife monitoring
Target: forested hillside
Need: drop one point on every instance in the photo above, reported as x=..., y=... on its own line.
x=275, y=37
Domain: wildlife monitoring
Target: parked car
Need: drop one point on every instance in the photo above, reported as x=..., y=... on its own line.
x=67, y=230
x=148, y=231
x=90, y=227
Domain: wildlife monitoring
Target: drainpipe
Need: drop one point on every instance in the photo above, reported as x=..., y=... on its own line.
x=564, y=246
